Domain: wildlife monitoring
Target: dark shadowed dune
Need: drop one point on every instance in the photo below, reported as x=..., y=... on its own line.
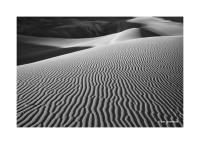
x=28, y=53
x=148, y=33
x=88, y=29
x=115, y=27
x=32, y=49
x=132, y=83
x=70, y=27
x=74, y=27
x=174, y=18
x=80, y=27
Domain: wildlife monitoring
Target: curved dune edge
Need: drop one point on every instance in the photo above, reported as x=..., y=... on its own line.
x=33, y=49
x=135, y=83
x=129, y=34
x=56, y=42
x=152, y=24
x=160, y=26
x=96, y=41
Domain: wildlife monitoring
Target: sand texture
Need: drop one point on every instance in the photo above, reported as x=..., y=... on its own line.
x=125, y=80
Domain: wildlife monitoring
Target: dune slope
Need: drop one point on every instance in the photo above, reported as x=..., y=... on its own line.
x=29, y=53
x=127, y=35
x=32, y=49
x=159, y=26
x=133, y=83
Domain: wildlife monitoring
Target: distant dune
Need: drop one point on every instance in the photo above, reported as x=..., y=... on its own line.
x=159, y=26
x=32, y=49
x=127, y=35
x=130, y=83
x=90, y=27
x=77, y=27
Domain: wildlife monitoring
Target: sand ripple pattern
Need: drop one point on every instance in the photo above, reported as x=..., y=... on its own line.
x=136, y=83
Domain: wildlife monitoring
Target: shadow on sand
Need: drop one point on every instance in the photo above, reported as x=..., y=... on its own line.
x=28, y=53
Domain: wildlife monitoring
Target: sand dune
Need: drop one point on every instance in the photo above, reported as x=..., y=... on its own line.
x=28, y=53
x=69, y=42
x=54, y=42
x=149, y=27
x=160, y=26
x=131, y=83
x=32, y=49
x=127, y=35
x=73, y=27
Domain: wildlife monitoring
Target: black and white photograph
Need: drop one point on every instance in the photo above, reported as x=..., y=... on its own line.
x=100, y=71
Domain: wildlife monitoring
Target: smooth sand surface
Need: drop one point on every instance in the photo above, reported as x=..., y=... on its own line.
x=127, y=35
x=33, y=49
x=69, y=42
x=54, y=42
x=131, y=83
x=160, y=26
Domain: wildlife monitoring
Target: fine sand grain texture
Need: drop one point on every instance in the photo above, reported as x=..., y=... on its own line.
x=131, y=83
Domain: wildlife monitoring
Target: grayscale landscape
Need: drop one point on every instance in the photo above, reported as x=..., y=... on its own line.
x=99, y=71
